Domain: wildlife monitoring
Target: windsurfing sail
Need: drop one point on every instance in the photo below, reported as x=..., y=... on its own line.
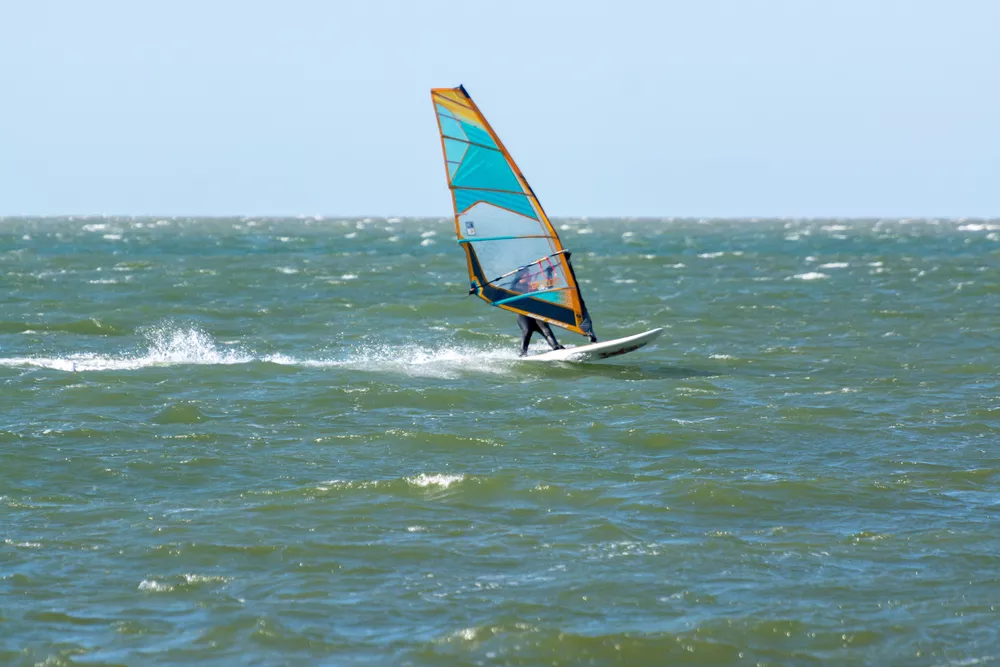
x=515, y=258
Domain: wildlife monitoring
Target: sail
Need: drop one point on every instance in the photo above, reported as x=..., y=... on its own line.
x=515, y=258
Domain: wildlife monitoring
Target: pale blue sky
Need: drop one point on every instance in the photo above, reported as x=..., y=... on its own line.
x=693, y=108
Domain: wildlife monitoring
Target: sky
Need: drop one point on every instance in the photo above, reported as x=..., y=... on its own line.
x=728, y=108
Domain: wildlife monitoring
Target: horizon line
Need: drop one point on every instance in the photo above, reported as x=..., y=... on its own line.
x=340, y=216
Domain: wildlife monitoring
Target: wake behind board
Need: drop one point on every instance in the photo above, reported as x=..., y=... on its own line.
x=602, y=350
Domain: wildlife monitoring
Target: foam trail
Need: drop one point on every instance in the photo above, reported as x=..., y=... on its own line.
x=415, y=360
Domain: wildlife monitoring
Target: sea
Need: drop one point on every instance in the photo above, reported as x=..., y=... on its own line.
x=298, y=441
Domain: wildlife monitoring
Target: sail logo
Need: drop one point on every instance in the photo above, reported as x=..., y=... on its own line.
x=470, y=228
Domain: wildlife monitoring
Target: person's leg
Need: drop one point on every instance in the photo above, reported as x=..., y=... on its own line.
x=546, y=331
x=526, y=330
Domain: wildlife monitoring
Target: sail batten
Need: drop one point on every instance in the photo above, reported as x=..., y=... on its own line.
x=518, y=297
x=472, y=143
x=451, y=100
x=500, y=223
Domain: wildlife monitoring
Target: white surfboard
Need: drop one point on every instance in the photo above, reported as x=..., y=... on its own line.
x=602, y=350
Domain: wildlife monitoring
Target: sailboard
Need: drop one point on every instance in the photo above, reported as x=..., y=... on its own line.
x=598, y=351
x=515, y=257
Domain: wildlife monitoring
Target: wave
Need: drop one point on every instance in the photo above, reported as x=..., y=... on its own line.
x=403, y=487
x=91, y=326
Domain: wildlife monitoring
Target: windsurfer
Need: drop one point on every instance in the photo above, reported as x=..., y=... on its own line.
x=530, y=325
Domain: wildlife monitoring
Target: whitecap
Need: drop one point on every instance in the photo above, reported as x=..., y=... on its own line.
x=154, y=586
x=205, y=579
x=25, y=545
x=468, y=634
x=444, y=481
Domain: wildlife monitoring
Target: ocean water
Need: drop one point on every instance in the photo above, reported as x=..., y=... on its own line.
x=298, y=441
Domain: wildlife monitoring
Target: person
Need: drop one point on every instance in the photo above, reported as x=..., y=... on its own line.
x=529, y=325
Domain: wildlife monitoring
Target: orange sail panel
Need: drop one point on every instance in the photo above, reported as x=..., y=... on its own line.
x=516, y=260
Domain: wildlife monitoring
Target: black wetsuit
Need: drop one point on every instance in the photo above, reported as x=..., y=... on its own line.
x=530, y=325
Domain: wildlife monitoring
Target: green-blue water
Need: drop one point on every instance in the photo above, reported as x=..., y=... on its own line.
x=297, y=441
